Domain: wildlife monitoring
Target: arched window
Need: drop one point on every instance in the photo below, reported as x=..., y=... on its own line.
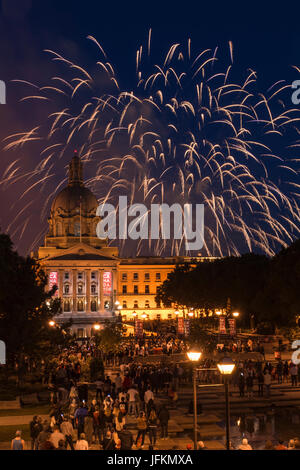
x=93, y=306
x=147, y=304
x=124, y=304
x=135, y=304
x=80, y=289
x=93, y=289
x=67, y=289
x=66, y=306
x=80, y=306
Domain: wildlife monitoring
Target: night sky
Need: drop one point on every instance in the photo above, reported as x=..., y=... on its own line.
x=264, y=39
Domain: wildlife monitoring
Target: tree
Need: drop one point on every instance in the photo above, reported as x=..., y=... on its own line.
x=25, y=305
x=109, y=338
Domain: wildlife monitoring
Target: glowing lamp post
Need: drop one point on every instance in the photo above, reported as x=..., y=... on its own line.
x=194, y=356
x=226, y=366
x=236, y=314
x=51, y=323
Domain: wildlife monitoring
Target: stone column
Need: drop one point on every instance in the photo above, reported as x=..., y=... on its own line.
x=101, y=290
x=88, y=290
x=60, y=283
x=74, y=286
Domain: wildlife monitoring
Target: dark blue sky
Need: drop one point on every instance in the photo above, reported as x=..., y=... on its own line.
x=266, y=38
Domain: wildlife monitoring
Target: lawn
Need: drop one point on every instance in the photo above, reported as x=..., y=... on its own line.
x=27, y=410
x=7, y=433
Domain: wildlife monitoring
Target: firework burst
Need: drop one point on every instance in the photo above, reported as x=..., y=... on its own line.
x=187, y=133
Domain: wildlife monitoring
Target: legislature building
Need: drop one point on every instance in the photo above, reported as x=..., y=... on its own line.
x=94, y=283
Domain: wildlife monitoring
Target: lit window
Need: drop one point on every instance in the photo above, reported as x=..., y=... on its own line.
x=135, y=276
x=169, y=316
x=135, y=304
x=67, y=288
x=93, y=289
x=147, y=304
x=147, y=289
x=147, y=276
x=77, y=229
x=124, y=304
x=79, y=288
x=124, y=276
x=93, y=306
x=135, y=289
x=80, y=306
x=158, y=316
x=66, y=275
x=157, y=276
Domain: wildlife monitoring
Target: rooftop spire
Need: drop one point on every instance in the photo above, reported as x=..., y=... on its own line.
x=75, y=171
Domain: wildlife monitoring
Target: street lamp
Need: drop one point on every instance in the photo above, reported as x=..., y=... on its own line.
x=236, y=314
x=96, y=326
x=226, y=366
x=51, y=323
x=191, y=314
x=194, y=355
x=144, y=315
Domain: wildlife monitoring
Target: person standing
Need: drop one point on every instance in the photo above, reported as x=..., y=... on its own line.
x=126, y=438
x=56, y=436
x=260, y=381
x=81, y=443
x=267, y=382
x=67, y=430
x=164, y=417
x=132, y=396
x=142, y=427
x=294, y=374
x=35, y=429
x=18, y=443
x=79, y=416
x=152, y=426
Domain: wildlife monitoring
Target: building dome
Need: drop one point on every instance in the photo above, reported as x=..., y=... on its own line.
x=69, y=200
x=73, y=211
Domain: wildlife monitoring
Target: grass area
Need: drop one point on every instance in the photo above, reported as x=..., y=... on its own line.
x=7, y=433
x=27, y=410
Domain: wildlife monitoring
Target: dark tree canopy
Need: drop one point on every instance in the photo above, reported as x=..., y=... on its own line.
x=25, y=305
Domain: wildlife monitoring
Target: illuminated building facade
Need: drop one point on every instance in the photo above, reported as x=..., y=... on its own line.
x=94, y=283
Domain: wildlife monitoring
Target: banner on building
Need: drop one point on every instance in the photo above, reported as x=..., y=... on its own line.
x=107, y=283
x=186, y=327
x=138, y=328
x=53, y=281
x=232, y=326
x=222, y=325
x=180, y=326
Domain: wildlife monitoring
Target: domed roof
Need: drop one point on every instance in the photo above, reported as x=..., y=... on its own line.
x=69, y=200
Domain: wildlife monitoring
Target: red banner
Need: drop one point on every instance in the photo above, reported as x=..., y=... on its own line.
x=107, y=283
x=180, y=326
x=222, y=325
x=53, y=281
x=138, y=328
x=232, y=326
x=186, y=327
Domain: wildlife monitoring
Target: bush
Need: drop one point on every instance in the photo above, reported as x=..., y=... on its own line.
x=265, y=328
